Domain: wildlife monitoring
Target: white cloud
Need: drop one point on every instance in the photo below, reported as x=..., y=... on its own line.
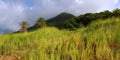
x=12, y=12
x=116, y=1
x=10, y=16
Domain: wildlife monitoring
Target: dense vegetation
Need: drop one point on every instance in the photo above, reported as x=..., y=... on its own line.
x=71, y=22
x=86, y=19
x=38, y=24
x=100, y=40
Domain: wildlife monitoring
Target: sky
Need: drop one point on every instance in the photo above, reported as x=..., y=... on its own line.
x=12, y=12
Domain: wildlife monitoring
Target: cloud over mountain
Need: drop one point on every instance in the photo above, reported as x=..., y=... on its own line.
x=12, y=12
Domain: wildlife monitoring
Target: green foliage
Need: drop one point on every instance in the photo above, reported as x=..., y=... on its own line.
x=116, y=12
x=69, y=21
x=86, y=19
x=40, y=23
x=71, y=24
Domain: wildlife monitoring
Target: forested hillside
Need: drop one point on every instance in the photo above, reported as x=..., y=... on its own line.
x=71, y=22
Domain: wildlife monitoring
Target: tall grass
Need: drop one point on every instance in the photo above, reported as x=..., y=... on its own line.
x=99, y=41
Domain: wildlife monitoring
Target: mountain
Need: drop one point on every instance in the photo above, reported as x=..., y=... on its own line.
x=59, y=20
x=69, y=21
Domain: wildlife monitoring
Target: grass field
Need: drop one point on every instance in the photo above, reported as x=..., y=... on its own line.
x=98, y=41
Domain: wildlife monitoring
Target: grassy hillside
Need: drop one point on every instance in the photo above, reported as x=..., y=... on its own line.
x=98, y=41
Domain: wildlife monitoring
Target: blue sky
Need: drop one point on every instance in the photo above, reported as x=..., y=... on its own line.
x=12, y=12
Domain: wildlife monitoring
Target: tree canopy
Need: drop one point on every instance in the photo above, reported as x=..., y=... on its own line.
x=40, y=23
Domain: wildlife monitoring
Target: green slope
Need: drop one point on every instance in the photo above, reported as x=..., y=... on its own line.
x=98, y=41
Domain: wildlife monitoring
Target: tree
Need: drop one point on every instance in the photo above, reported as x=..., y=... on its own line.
x=116, y=12
x=40, y=23
x=24, y=26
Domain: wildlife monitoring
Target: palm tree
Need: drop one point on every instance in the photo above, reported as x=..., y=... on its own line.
x=24, y=26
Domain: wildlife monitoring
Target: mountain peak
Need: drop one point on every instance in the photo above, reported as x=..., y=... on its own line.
x=65, y=14
x=59, y=19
